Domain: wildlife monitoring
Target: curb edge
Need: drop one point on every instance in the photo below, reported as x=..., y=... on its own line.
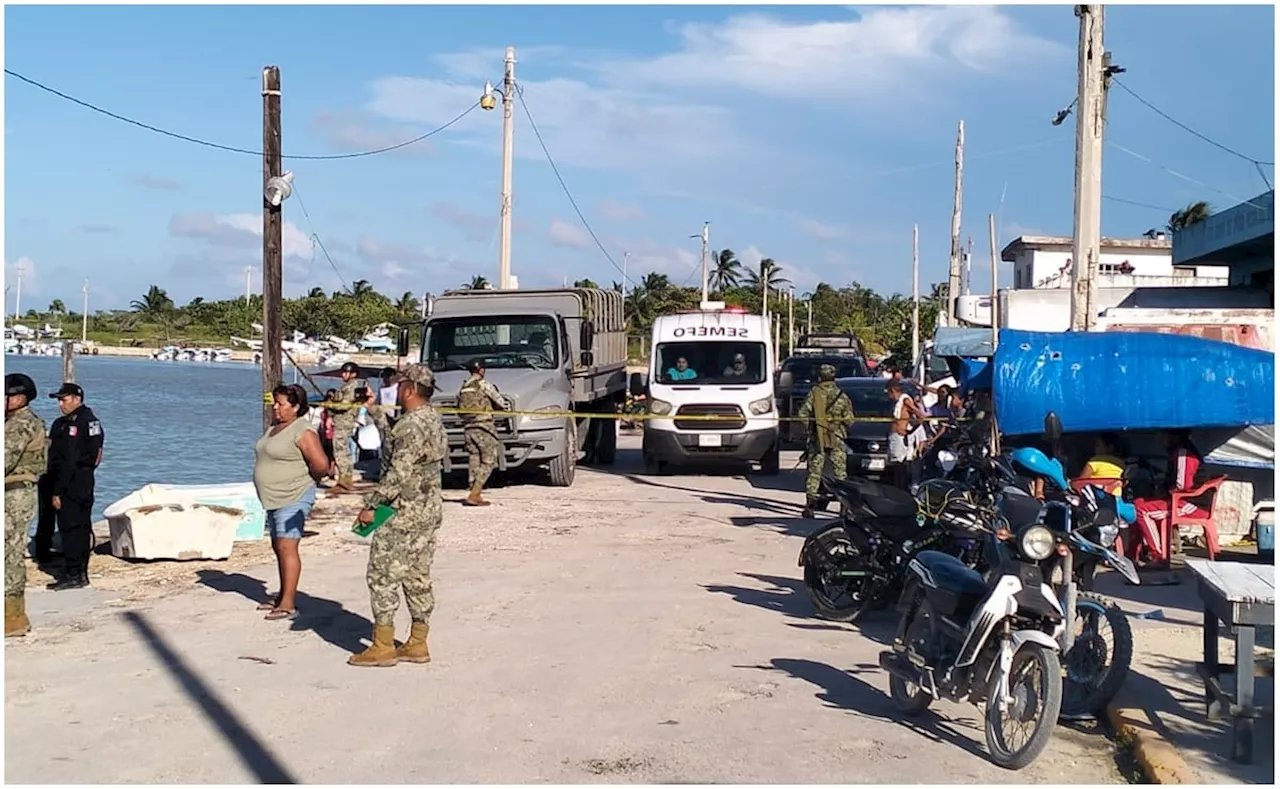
x=1159, y=760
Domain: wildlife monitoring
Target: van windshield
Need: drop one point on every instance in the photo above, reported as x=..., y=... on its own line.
x=711, y=363
x=497, y=342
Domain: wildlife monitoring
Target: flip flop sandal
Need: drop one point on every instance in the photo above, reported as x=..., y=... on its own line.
x=267, y=606
x=279, y=613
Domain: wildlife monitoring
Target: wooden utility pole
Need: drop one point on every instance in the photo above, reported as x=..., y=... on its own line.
x=953, y=272
x=915, y=293
x=1088, y=198
x=272, y=246
x=995, y=282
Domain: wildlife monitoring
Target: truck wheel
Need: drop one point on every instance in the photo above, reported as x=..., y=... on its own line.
x=562, y=468
x=771, y=463
x=591, y=447
x=607, y=441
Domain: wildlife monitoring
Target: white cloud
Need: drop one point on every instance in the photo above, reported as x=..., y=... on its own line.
x=30, y=282
x=563, y=234
x=238, y=230
x=880, y=50
x=620, y=212
x=147, y=181
x=821, y=230
x=351, y=132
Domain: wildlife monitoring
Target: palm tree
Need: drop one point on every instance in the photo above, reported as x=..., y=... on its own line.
x=315, y=293
x=196, y=303
x=769, y=276
x=56, y=307
x=478, y=282
x=1186, y=217
x=727, y=270
x=408, y=304
x=584, y=283
x=361, y=287
x=617, y=286
x=154, y=302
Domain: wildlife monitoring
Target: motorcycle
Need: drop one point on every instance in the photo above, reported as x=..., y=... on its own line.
x=963, y=637
x=858, y=562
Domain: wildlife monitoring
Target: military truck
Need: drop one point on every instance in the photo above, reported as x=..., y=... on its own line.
x=558, y=352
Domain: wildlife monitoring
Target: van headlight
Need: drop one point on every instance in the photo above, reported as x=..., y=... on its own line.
x=1036, y=543
x=762, y=407
x=659, y=407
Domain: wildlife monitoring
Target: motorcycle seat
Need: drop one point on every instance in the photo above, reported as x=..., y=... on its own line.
x=885, y=501
x=951, y=575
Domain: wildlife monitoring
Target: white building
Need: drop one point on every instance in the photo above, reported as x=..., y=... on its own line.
x=1041, y=262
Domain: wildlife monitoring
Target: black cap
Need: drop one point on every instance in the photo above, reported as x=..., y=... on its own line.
x=68, y=389
x=475, y=365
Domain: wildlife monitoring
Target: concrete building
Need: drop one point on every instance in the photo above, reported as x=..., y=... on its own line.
x=1241, y=239
x=1044, y=262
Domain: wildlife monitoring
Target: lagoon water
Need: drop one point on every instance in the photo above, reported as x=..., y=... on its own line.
x=169, y=422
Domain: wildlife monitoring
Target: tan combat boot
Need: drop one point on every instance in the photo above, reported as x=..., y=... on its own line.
x=381, y=653
x=415, y=649
x=474, y=499
x=344, y=483
x=15, y=617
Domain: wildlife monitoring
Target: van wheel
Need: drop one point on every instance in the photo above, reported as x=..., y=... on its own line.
x=771, y=463
x=562, y=467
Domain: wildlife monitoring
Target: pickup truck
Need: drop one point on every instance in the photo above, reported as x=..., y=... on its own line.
x=562, y=352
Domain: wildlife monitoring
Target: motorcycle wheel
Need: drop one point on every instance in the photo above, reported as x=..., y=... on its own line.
x=1035, y=704
x=839, y=599
x=910, y=698
x=1092, y=670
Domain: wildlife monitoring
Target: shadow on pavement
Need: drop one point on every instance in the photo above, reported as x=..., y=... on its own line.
x=847, y=691
x=326, y=618
x=722, y=497
x=787, y=596
x=256, y=757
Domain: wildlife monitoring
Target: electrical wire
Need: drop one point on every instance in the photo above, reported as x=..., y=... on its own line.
x=565, y=187
x=232, y=148
x=1138, y=204
x=315, y=237
x=1256, y=162
x=1187, y=178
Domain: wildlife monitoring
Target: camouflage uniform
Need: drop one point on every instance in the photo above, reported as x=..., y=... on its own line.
x=344, y=427
x=483, y=446
x=25, y=453
x=401, y=551
x=831, y=413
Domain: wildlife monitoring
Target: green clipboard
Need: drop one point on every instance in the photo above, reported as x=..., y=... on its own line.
x=380, y=516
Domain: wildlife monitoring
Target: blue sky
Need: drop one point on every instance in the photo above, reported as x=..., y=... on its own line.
x=813, y=135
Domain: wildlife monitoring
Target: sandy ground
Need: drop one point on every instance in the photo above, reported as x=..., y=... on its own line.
x=630, y=629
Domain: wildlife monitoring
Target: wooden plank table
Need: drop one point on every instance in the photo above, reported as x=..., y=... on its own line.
x=1241, y=596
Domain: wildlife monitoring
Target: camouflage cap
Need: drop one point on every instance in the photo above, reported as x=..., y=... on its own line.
x=418, y=374
x=827, y=372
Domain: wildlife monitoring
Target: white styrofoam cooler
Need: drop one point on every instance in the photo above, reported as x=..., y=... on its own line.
x=177, y=522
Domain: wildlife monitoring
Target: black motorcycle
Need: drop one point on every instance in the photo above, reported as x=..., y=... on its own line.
x=991, y=641
x=858, y=562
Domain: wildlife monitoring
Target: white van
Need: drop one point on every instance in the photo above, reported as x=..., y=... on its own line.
x=711, y=362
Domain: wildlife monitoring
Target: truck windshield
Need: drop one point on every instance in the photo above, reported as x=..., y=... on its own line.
x=805, y=371
x=711, y=363
x=506, y=341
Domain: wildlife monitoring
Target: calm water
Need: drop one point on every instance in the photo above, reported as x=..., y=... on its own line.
x=174, y=422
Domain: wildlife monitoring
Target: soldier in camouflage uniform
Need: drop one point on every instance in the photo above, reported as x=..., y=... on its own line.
x=25, y=449
x=828, y=413
x=483, y=446
x=402, y=549
x=344, y=425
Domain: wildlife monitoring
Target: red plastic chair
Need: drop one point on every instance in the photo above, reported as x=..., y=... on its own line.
x=1205, y=521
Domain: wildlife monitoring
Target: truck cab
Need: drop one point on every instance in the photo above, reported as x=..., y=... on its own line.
x=711, y=390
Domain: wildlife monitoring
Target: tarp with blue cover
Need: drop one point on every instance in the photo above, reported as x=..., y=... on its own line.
x=962, y=342
x=1098, y=381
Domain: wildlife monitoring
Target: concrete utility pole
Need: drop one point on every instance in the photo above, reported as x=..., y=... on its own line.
x=508, y=138
x=915, y=293
x=995, y=280
x=248, y=283
x=272, y=245
x=953, y=272
x=791, y=321
x=706, y=256
x=808, y=319
x=84, y=314
x=17, y=296
x=626, y=257
x=1088, y=203
x=764, y=290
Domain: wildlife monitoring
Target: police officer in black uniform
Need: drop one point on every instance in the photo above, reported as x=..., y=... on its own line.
x=75, y=450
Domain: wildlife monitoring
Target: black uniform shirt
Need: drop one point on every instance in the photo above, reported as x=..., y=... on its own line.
x=74, y=449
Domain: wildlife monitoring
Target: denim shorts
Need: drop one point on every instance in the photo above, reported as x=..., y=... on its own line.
x=287, y=522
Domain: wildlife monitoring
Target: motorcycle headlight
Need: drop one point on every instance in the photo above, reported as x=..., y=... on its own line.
x=659, y=407
x=761, y=407
x=1036, y=543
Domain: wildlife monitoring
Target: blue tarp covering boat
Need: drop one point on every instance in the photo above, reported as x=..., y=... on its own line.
x=962, y=342
x=1130, y=381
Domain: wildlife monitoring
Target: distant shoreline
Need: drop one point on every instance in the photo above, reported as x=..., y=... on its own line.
x=244, y=355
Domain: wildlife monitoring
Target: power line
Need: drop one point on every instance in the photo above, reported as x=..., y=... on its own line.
x=1187, y=178
x=1138, y=204
x=1256, y=162
x=232, y=148
x=316, y=238
x=563, y=186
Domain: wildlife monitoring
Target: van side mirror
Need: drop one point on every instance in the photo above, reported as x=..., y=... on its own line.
x=586, y=358
x=638, y=384
x=587, y=336
x=402, y=342
x=1052, y=428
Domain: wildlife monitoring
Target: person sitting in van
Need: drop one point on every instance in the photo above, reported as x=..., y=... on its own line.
x=739, y=367
x=682, y=371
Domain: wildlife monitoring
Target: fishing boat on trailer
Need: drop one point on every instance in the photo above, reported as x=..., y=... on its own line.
x=184, y=521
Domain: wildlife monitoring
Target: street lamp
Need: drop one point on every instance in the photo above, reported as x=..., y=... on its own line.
x=278, y=189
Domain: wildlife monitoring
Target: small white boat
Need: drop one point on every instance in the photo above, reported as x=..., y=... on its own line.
x=184, y=521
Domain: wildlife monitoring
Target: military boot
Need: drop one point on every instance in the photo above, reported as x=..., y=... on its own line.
x=382, y=652
x=15, y=617
x=345, y=483
x=474, y=499
x=415, y=649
